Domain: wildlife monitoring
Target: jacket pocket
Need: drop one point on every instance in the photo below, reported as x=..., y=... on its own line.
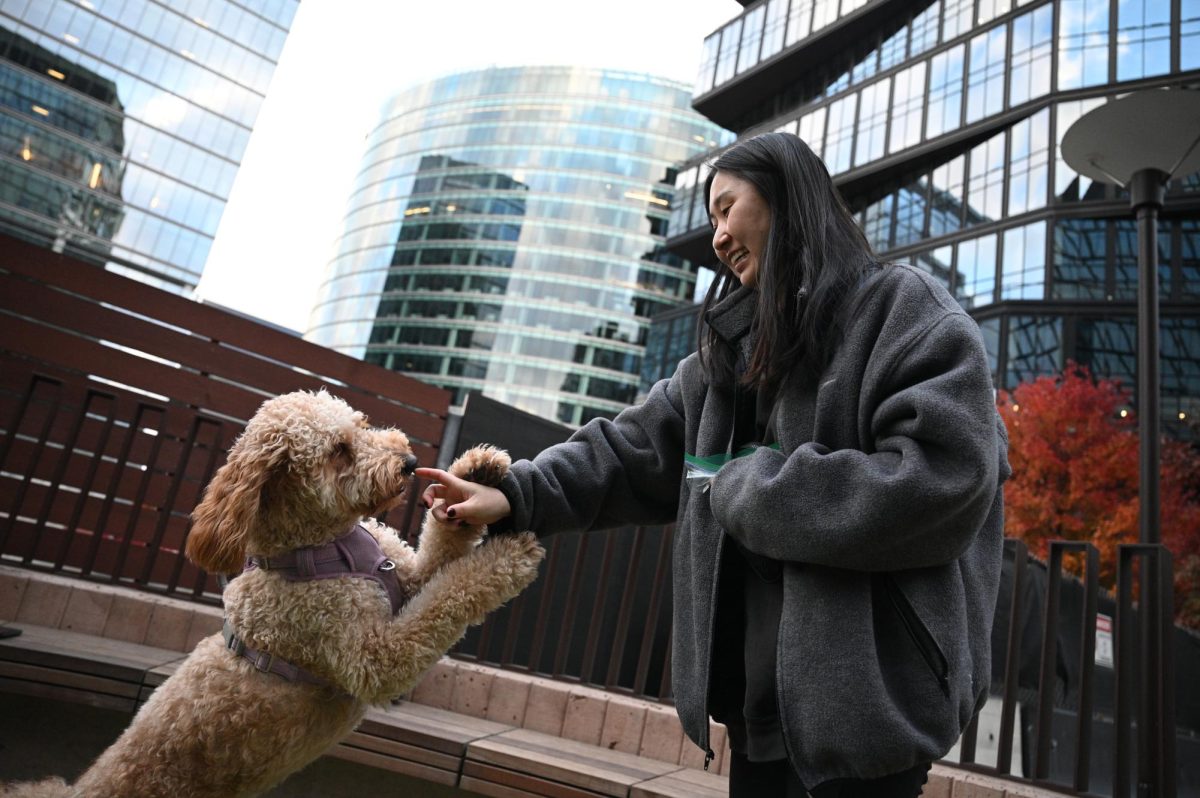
x=925, y=642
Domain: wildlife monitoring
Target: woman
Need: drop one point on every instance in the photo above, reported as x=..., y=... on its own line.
x=835, y=579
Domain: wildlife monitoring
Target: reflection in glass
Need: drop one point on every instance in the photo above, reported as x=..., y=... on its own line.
x=938, y=263
x=1023, y=275
x=1079, y=261
x=839, y=138
x=877, y=223
x=1189, y=251
x=727, y=60
x=907, y=104
x=1082, y=43
x=799, y=20
x=1189, y=34
x=752, y=28
x=1070, y=186
x=1143, y=38
x=990, y=9
x=1034, y=348
x=774, y=29
x=1032, y=41
x=1107, y=345
x=925, y=29
x=911, y=204
x=812, y=130
x=1029, y=161
x=985, y=76
x=945, y=91
x=872, y=122
x=956, y=18
x=975, y=272
x=985, y=189
x=947, y=201
x=1125, y=260
x=708, y=63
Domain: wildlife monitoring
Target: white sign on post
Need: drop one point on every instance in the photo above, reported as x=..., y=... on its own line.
x=1104, y=641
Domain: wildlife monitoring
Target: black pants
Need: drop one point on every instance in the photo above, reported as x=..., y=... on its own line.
x=777, y=779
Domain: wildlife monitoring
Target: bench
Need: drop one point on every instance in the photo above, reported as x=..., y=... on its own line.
x=412, y=739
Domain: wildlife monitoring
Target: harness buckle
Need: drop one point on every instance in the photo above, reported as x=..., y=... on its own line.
x=261, y=658
x=387, y=565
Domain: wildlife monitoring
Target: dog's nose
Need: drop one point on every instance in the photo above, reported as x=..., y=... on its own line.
x=410, y=463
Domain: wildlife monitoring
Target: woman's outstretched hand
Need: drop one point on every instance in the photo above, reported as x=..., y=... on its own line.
x=452, y=499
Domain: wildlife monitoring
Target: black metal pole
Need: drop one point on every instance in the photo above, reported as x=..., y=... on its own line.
x=1147, y=189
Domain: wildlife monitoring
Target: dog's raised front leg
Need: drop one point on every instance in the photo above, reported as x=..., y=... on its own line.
x=393, y=655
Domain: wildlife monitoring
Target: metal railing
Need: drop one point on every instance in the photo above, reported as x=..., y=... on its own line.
x=118, y=403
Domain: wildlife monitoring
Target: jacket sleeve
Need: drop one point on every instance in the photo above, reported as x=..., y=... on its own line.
x=608, y=474
x=914, y=497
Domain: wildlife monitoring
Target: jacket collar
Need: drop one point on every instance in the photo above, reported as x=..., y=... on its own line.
x=732, y=316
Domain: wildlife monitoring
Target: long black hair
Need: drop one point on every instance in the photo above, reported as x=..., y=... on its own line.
x=816, y=254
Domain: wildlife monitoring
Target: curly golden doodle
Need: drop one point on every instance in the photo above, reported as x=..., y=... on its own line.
x=302, y=658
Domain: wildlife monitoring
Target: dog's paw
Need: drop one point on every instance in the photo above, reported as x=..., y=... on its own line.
x=485, y=465
x=520, y=553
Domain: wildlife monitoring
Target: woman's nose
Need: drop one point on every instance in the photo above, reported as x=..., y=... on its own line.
x=720, y=239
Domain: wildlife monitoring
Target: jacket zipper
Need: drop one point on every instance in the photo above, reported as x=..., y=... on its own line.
x=712, y=622
x=926, y=645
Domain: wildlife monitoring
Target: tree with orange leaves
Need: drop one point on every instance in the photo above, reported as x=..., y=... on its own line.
x=1074, y=454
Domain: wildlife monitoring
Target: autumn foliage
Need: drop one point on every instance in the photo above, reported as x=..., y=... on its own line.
x=1075, y=477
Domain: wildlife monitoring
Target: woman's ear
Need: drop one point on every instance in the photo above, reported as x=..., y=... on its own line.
x=221, y=523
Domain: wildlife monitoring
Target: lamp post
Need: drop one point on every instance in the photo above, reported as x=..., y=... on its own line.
x=1140, y=142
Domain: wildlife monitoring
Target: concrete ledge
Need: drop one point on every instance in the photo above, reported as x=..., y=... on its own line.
x=491, y=731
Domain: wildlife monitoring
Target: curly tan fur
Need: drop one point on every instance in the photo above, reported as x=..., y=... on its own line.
x=305, y=469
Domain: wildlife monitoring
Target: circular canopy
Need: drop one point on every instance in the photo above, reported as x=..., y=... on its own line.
x=1146, y=130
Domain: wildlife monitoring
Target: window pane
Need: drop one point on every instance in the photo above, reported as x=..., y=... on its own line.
x=872, y=122
x=956, y=19
x=751, y=39
x=708, y=63
x=773, y=33
x=1082, y=43
x=985, y=80
x=800, y=20
x=985, y=191
x=911, y=203
x=1189, y=249
x=1125, y=261
x=839, y=139
x=730, y=38
x=1024, y=272
x=947, y=201
x=1189, y=34
x=1068, y=184
x=945, y=92
x=1034, y=348
x=1079, y=258
x=1143, y=38
x=1029, y=163
x=908, y=102
x=1031, y=46
x=975, y=283
x=812, y=130
x=937, y=263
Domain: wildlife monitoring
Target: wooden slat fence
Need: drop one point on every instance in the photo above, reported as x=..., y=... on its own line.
x=118, y=402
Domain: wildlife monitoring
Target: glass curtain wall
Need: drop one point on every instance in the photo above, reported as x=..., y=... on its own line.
x=123, y=124
x=504, y=235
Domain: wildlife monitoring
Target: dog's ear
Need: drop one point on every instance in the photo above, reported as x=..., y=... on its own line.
x=222, y=521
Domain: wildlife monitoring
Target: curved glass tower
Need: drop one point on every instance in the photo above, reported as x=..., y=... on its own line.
x=504, y=235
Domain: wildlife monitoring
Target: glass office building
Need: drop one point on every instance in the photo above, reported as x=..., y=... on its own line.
x=504, y=236
x=942, y=124
x=123, y=123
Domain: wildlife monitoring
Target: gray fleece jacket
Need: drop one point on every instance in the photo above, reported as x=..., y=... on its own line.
x=883, y=502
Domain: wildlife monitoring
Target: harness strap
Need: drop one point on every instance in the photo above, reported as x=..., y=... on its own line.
x=269, y=663
x=355, y=553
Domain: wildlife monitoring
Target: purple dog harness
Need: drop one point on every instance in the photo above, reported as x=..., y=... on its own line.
x=355, y=553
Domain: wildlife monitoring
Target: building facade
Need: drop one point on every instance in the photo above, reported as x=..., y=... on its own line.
x=122, y=124
x=504, y=236
x=941, y=123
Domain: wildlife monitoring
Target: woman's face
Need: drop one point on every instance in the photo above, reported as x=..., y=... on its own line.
x=741, y=221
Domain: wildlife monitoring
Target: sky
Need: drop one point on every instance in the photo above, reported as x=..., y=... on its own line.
x=344, y=58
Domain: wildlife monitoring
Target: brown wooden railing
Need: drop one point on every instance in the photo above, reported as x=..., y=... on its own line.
x=118, y=401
